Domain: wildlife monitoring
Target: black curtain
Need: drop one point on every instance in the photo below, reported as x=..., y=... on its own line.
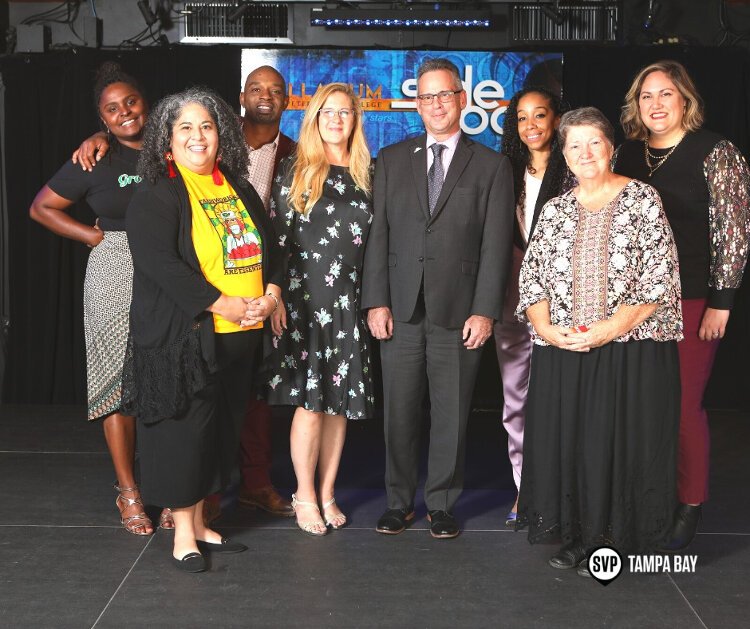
x=49, y=110
x=601, y=76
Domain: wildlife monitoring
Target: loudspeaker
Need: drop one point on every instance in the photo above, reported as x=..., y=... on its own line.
x=34, y=38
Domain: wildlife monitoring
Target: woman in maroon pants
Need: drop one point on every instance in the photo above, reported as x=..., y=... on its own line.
x=704, y=184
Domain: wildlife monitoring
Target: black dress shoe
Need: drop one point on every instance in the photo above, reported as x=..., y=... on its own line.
x=395, y=521
x=569, y=556
x=442, y=525
x=225, y=546
x=192, y=562
x=684, y=527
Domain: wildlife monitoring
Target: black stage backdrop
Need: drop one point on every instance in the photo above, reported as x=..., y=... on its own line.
x=49, y=110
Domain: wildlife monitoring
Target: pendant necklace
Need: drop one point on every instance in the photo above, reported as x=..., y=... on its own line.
x=655, y=161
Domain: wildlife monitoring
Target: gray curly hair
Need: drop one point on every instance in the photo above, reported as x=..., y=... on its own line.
x=157, y=135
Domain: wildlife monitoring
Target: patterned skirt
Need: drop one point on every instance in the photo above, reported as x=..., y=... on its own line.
x=107, y=292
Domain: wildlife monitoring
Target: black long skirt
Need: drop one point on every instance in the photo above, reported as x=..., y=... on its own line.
x=600, y=445
x=186, y=458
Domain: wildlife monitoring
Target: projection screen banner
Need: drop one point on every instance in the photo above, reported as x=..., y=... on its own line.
x=385, y=80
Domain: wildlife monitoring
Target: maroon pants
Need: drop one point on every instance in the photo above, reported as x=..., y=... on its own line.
x=255, y=446
x=696, y=361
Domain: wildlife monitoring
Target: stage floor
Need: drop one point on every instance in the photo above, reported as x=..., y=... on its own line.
x=66, y=562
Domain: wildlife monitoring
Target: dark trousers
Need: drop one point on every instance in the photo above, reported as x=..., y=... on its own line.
x=696, y=361
x=423, y=357
x=236, y=353
x=188, y=457
x=255, y=446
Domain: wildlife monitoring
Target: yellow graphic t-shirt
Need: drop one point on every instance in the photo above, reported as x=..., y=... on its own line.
x=226, y=240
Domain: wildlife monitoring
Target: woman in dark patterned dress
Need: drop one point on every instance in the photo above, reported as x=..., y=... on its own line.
x=600, y=286
x=321, y=359
x=107, y=290
x=704, y=183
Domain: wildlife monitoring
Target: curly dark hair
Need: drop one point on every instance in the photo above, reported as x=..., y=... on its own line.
x=518, y=152
x=157, y=135
x=111, y=72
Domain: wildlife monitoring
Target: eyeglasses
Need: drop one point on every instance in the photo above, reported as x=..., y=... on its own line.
x=444, y=96
x=332, y=113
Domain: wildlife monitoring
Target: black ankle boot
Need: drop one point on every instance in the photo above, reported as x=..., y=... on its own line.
x=684, y=527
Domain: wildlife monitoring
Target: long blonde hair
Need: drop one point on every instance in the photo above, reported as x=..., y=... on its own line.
x=311, y=165
x=630, y=118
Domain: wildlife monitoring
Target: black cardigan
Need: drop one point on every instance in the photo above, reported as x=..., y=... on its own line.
x=171, y=353
x=547, y=191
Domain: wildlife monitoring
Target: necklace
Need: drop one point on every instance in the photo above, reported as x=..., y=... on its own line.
x=655, y=161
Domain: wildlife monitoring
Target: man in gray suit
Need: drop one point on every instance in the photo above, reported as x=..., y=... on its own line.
x=435, y=267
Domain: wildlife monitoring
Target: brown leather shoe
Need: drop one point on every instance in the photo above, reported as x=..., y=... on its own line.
x=267, y=499
x=211, y=509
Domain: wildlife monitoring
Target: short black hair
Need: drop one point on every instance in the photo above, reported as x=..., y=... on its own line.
x=440, y=63
x=111, y=72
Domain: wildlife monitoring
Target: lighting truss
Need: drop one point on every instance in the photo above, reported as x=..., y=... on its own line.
x=383, y=18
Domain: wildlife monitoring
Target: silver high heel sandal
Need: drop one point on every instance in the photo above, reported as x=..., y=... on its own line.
x=336, y=522
x=308, y=527
x=138, y=524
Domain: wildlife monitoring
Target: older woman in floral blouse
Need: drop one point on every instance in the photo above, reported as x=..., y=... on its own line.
x=600, y=287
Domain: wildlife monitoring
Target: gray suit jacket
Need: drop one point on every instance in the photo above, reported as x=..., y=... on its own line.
x=461, y=254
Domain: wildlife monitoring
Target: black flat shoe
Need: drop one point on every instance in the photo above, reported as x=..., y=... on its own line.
x=442, y=525
x=569, y=556
x=225, y=546
x=684, y=528
x=192, y=562
x=395, y=521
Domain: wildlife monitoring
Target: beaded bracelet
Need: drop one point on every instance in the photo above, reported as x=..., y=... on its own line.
x=275, y=299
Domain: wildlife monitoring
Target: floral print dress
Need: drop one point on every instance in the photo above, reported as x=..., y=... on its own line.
x=321, y=362
x=631, y=259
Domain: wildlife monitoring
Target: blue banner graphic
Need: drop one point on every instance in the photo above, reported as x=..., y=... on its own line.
x=385, y=81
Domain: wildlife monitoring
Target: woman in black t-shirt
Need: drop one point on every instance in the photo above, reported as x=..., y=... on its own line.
x=109, y=274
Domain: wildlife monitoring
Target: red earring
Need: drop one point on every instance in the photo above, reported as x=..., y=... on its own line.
x=216, y=173
x=170, y=168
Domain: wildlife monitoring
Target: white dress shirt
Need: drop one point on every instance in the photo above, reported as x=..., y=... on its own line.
x=447, y=155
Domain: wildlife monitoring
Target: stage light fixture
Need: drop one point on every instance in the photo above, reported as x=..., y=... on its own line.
x=383, y=18
x=653, y=10
x=146, y=12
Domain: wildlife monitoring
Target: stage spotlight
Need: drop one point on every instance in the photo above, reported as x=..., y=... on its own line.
x=653, y=10
x=146, y=12
x=553, y=12
x=237, y=13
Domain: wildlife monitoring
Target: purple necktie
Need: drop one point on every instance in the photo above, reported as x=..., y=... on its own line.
x=435, y=177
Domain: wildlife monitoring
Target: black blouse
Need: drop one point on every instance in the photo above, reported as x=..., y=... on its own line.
x=705, y=189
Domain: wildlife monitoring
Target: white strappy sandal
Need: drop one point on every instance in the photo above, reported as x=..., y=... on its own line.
x=336, y=522
x=311, y=528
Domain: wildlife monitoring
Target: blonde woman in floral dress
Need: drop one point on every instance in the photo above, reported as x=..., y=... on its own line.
x=321, y=361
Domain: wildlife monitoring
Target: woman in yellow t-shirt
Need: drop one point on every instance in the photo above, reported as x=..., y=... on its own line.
x=205, y=281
